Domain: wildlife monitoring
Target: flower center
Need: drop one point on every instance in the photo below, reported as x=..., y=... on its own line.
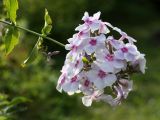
x=102, y=74
x=80, y=33
x=77, y=63
x=74, y=48
x=109, y=57
x=88, y=21
x=93, y=42
x=74, y=79
x=62, y=81
x=124, y=49
x=86, y=83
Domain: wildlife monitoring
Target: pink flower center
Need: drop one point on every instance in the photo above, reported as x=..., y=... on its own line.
x=86, y=83
x=102, y=74
x=77, y=63
x=93, y=42
x=88, y=21
x=62, y=81
x=74, y=48
x=80, y=34
x=109, y=57
x=74, y=79
x=124, y=49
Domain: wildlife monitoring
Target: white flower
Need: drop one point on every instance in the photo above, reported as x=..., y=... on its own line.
x=100, y=78
x=140, y=63
x=87, y=100
x=95, y=62
x=124, y=35
x=108, y=62
x=127, y=51
x=93, y=43
x=103, y=28
x=92, y=22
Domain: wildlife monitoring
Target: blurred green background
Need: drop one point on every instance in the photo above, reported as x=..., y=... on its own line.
x=37, y=82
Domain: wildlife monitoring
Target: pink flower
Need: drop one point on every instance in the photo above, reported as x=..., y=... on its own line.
x=95, y=62
x=127, y=51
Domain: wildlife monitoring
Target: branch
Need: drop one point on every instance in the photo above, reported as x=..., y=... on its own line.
x=33, y=32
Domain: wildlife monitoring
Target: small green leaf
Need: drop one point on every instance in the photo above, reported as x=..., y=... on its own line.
x=19, y=100
x=11, y=39
x=12, y=7
x=31, y=56
x=48, y=24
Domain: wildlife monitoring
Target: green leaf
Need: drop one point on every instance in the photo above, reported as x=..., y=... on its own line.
x=31, y=56
x=48, y=24
x=12, y=7
x=3, y=118
x=19, y=100
x=39, y=45
x=11, y=39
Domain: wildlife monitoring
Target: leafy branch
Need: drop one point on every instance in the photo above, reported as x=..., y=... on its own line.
x=32, y=32
x=11, y=37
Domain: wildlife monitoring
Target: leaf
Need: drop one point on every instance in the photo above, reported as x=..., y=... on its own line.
x=11, y=39
x=19, y=100
x=3, y=118
x=12, y=7
x=48, y=24
x=39, y=45
x=31, y=56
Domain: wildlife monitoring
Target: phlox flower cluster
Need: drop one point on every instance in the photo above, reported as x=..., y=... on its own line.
x=98, y=64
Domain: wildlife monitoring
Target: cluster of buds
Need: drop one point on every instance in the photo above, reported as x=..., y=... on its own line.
x=98, y=64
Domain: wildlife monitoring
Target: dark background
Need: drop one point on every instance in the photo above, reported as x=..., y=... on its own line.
x=139, y=18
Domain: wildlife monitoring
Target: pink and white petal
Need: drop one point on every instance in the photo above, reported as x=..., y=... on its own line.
x=68, y=46
x=90, y=49
x=115, y=43
x=129, y=57
x=105, y=66
x=110, y=79
x=131, y=48
x=142, y=63
x=97, y=15
x=101, y=38
x=92, y=75
x=70, y=87
x=118, y=63
x=59, y=88
x=81, y=27
x=94, y=26
x=108, y=24
x=119, y=55
x=87, y=101
x=86, y=15
x=107, y=98
x=99, y=83
x=131, y=40
x=104, y=29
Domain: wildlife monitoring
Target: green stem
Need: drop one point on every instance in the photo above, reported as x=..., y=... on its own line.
x=33, y=32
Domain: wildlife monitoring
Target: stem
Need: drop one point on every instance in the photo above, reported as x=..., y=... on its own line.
x=33, y=32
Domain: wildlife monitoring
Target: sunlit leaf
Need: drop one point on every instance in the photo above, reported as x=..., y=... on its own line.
x=3, y=118
x=48, y=24
x=31, y=56
x=11, y=39
x=12, y=7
